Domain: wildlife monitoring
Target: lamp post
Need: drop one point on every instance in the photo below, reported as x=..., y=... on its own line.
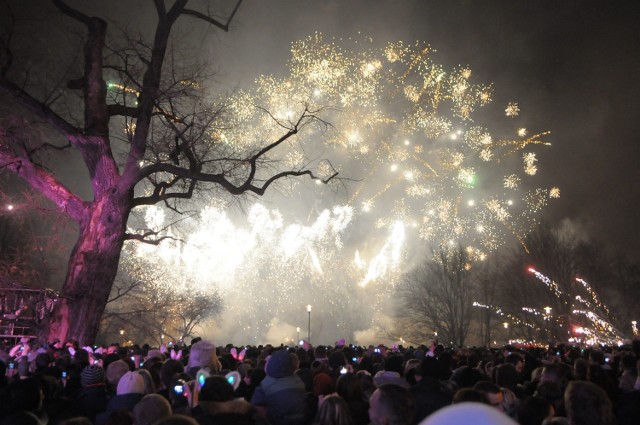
x=122, y=336
x=309, y=324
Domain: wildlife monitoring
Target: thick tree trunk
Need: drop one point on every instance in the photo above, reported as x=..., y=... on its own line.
x=93, y=266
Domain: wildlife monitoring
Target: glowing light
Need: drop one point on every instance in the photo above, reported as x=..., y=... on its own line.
x=512, y=109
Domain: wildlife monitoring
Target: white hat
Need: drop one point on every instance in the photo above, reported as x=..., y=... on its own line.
x=468, y=413
x=131, y=382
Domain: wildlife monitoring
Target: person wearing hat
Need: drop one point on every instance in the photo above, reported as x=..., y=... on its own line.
x=281, y=396
x=217, y=405
x=115, y=371
x=203, y=355
x=130, y=391
x=93, y=397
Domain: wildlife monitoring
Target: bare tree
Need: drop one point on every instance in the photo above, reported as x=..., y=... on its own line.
x=172, y=146
x=437, y=297
x=544, y=288
x=145, y=314
x=487, y=294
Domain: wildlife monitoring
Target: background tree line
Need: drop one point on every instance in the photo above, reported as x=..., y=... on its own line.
x=449, y=298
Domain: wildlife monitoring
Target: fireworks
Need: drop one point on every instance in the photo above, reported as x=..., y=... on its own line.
x=577, y=320
x=403, y=129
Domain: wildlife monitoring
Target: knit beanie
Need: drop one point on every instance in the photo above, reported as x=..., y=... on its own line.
x=92, y=375
x=280, y=364
x=115, y=370
x=202, y=354
x=151, y=409
x=131, y=382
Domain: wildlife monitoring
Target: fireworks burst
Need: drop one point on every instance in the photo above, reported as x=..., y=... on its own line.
x=405, y=130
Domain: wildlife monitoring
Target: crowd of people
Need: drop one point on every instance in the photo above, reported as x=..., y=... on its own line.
x=66, y=384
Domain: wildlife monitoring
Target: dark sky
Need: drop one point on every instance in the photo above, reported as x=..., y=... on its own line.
x=573, y=66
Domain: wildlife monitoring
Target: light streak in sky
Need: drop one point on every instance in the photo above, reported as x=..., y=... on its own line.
x=573, y=318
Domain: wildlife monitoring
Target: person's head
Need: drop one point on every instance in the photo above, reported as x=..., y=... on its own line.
x=556, y=373
x=149, y=385
x=391, y=405
x=468, y=395
x=534, y=410
x=43, y=360
x=92, y=376
x=349, y=388
x=131, y=383
x=169, y=369
x=468, y=413
x=320, y=352
x=333, y=410
x=506, y=376
x=516, y=360
x=216, y=388
x=587, y=404
x=336, y=361
x=394, y=363
x=492, y=393
x=280, y=365
x=203, y=354
x=115, y=371
x=322, y=384
x=150, y=409
x=25, y=394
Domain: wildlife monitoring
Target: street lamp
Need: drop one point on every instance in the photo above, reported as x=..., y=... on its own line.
x=309, y=324
x=298, y=330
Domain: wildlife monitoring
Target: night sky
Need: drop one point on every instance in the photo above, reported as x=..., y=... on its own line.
x=572, y=66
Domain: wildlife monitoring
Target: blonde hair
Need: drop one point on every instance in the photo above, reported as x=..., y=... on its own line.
x=333, y=410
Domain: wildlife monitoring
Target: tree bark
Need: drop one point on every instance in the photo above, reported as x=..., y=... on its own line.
x=92, y=268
